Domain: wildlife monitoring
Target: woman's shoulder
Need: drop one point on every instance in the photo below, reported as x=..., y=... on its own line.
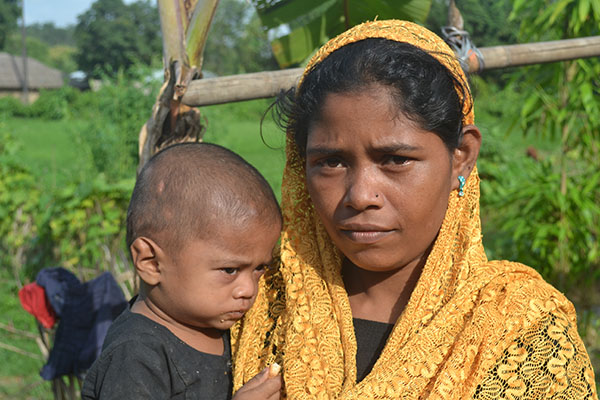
x=541, y=351
x=520, y=289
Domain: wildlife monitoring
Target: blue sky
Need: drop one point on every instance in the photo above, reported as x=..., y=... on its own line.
x=61, y=12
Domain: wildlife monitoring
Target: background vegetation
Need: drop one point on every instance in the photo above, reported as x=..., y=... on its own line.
x=67, y=162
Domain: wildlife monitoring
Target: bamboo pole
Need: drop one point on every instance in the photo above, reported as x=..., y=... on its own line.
x=539, y=53
x=260, y=85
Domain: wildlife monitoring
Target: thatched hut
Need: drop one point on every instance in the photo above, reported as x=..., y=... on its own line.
x=39, y=77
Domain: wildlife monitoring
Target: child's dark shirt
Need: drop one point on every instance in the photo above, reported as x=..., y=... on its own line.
x=144, y=360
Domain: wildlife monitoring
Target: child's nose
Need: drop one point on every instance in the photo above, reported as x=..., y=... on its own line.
x=245, y=289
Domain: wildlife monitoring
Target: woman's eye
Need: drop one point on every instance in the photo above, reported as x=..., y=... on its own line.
x=331, y=162
x=396, y=160
x=230, y=271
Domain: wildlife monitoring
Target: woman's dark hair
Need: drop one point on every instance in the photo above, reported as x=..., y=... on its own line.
x=424, y=90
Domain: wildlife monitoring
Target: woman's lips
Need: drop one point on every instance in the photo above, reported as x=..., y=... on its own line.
x=365, y=235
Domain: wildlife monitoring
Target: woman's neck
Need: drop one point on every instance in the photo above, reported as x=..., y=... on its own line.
x=380, y=296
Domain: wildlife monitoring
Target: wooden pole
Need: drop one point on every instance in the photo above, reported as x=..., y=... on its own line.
x=24, y=55
x=538, y=53
x=260, y=85
x=241, y=87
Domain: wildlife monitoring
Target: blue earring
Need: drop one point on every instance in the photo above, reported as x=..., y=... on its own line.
x=461, y=186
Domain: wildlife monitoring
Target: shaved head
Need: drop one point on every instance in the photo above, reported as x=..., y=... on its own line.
x=196, y=190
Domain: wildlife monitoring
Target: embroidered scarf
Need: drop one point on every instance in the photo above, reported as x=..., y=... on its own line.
x=472, y=328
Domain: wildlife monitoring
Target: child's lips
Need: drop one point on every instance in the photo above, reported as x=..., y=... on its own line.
x=235, y=315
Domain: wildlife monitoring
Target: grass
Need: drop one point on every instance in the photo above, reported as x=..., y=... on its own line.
x=57, y=151
x=52, y=149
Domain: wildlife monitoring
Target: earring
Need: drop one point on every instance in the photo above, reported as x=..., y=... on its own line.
x=461, y=185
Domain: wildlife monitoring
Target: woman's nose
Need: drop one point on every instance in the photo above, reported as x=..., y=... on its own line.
x=362, y=190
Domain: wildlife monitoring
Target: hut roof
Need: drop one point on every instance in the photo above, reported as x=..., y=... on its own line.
x=40, y=76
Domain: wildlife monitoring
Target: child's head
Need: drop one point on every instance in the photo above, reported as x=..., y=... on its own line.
x=201, y=226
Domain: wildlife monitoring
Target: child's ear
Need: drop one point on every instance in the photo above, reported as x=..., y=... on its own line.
x=145, y=253
x=465, y=155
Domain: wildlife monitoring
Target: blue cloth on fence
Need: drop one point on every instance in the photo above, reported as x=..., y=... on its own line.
x=86, y=310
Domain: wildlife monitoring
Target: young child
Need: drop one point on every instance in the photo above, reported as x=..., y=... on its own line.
x=201, y=226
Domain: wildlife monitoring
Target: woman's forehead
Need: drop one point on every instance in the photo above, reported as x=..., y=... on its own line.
x=370, y=118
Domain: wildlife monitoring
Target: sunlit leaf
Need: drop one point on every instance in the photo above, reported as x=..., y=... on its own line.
x=311, y=23
x=584, y=9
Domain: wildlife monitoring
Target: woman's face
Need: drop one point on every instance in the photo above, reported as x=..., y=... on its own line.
x=379, y=182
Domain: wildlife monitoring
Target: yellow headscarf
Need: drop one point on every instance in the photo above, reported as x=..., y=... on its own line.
x=472, y=328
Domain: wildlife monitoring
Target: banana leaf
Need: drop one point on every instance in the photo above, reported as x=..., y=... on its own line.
x=301, y=27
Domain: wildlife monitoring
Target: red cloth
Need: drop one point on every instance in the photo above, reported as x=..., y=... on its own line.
x=34, y=301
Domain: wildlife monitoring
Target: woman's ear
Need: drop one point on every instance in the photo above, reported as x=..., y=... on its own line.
x=465, y=155
x=145, y=254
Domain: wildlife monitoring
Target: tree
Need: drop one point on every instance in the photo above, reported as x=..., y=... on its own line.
x=112, y=35
x=236, y=42
x=52, y=34
x=10, y=11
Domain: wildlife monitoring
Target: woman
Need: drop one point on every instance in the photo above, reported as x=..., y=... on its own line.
x=384, y=289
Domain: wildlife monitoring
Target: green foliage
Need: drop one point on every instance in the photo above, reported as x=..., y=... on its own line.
x=19, y=199
x=78, y=226
x=52, y=35
x=10, y=11
x=36, y=48
x=113, y=35
x=113, y=117
x=62, y=57
x=539, y=225
x=57, y=56
x=564, y=103
x=13, y=107
x=560, y=193
x=311, y=23
x=115, y=114
x=487, y=21
x=52, y=104
x=85, y=223
x=236, y=42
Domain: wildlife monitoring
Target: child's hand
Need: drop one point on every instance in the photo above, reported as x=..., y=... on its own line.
x=264, y=386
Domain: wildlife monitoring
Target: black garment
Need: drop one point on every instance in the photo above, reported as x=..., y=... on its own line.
x=86, y=311
x=144, y=360
x=370, y=340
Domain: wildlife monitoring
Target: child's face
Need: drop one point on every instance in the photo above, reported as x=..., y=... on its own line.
x=212, y=282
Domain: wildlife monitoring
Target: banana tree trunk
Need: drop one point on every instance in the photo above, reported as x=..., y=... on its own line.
x=184, y=25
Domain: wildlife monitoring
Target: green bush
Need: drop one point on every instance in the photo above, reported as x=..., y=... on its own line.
x=86, y=224
x=80, y=227
x=115, y=114
x=13, y=107
x=19, y=199
x=50, y=105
